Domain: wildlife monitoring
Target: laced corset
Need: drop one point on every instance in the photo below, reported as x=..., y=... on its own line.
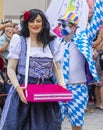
x=40, y=67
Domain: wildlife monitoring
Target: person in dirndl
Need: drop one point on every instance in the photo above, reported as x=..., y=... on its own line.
x=18, y=114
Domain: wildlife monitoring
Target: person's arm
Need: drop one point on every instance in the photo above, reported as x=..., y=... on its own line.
x=11, y=71
x=102, y=45
x=59, y=74
x=3, y=48
x=8, y=36
x=2, y=26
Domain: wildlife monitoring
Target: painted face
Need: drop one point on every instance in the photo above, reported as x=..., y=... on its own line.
x=35, y=26
x=64, y=28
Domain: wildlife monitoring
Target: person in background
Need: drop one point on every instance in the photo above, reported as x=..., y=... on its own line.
x=44, y=56
x=99, y=41
x=20, y=24
x=2, y=95
x=16, y=29
x=98, y=56
x=2, y=26
x=5, y=38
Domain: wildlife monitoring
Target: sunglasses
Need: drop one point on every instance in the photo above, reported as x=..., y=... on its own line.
x=62, y=24
x=65, y=24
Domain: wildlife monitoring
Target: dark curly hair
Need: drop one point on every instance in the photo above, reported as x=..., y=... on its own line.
x=44, y=36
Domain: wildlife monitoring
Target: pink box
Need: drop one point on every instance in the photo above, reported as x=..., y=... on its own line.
x=47, y=93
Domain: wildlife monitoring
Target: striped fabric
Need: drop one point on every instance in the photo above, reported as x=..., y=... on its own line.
x=72, y=17
x=66, y=63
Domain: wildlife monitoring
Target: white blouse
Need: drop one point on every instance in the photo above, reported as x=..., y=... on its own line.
x=56, y=51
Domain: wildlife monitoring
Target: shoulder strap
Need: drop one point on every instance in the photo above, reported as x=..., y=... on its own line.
x=27, y=62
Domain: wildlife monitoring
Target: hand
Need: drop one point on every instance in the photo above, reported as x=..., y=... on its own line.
x=9, y=35
x=9, y=31
x=1, y=80
x=64, y=86
x=20, y=91
x=9, y=24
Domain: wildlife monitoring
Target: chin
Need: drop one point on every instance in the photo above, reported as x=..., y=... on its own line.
x=36, y=31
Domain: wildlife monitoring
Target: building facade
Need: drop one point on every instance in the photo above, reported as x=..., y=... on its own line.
x=11, y=9
x=1, y=9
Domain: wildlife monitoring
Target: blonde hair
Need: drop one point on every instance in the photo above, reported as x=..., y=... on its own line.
x=99, y=41
x=100, y=35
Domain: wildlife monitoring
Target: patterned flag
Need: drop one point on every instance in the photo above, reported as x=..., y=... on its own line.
x=96, y=21
x=85, y=38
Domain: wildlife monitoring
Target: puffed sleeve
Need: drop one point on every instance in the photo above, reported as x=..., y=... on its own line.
x=15, y=47
x=57, y=49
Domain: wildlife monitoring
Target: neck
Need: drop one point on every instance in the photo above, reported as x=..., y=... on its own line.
x=68, y=37
x=35, y=42
x=33, y=37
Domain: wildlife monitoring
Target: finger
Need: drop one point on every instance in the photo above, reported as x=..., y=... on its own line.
x=24, y=100
x=1, y=81
x=23, y=88
x=21, y=94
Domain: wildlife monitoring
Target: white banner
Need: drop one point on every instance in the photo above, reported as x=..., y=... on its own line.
x=82, y=10
x=56, y=9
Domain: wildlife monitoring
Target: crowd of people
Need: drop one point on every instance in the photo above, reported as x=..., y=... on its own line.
x=98, y=57
x=7, y=29
x=75, y=60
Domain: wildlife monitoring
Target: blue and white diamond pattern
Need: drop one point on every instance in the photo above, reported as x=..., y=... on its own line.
x=66, y=63
x=85, y=38
x=96, y=20
x=75, y=109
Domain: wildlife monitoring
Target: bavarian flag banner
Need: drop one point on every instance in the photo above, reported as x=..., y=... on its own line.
x=58, y=8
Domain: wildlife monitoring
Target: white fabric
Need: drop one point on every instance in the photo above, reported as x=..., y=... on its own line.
x=27, y=65
x=39, y=52
x=76, y=65
x=56, y=48
x=82, y=10
x=58, y=8
x=14, y=47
